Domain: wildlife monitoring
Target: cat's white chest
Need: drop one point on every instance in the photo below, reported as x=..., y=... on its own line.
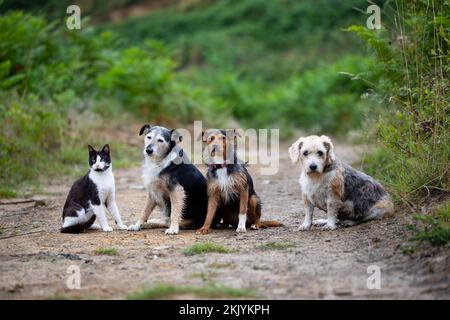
x=104, y=182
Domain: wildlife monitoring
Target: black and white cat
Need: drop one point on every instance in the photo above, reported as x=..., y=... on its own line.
x=90, y=195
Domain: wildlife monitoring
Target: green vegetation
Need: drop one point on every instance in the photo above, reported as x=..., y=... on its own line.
x=58, y=88
x=285, y=64
x=271, y=63
x=434, y=227
x=211, y=291
x=412, y=78
x=276, y=246
x=205, y=247
x=106, y=251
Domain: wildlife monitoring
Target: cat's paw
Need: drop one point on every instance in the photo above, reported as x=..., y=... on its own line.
x=107, y=229
x=95, y=226
x=134, y=227
x=172, y=230
x=122, y=227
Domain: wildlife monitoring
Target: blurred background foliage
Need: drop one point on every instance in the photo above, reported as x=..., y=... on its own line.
x=290, y=64
x=284, y=64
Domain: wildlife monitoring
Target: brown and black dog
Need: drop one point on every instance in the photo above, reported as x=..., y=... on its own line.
x=231, y=195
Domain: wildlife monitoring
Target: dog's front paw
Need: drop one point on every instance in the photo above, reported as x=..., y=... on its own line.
x=254, y=226
x=107, y=229
x=329, y=226
x=203, y=230
x=122, y=227
x=304, y=227
x=241, y=229
x=172, y=230
x=134, y=227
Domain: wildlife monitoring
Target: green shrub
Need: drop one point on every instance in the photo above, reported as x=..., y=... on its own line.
x=434, y=227
x=55, y=83
x=413, y=81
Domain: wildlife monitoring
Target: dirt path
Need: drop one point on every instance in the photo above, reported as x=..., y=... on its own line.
x=34, y=256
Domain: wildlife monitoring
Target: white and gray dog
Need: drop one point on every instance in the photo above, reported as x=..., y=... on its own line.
x=346, y=194
x=172, y=182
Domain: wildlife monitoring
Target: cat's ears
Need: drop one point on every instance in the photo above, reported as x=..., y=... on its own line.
x=145, y=128
x=91, y=149
x=105, y=149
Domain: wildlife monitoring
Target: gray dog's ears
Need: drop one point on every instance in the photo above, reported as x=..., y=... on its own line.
x=294, y=150
x=330, y=149
x=145, y=128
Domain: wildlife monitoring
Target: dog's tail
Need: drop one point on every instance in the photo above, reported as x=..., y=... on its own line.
x=270, y=224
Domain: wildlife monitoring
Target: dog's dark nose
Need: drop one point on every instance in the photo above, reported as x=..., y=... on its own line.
x=313, y=167
x=149, y=151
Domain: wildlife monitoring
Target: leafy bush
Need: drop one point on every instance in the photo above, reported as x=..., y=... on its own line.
x=433, y=228
x=319, y=99
x=413, y=80
x=54, y=83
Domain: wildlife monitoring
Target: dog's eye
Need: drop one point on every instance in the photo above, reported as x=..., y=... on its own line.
x=211, y=139
x=160, y=140
x=148, y=137
x=320, y=153
x=305, y=153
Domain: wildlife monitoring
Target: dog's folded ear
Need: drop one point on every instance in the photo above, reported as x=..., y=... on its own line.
x=201, y=136
x=294, y=150
x=175, y=136
x=330, y=149
x=145, y=128
x=106, y=149
x=233, y=133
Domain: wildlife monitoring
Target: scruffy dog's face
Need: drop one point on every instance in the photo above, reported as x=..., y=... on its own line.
x=314, y=153
x=158, y=142
x=219, y=146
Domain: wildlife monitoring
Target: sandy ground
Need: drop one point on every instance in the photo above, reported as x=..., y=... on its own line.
x=34, y=256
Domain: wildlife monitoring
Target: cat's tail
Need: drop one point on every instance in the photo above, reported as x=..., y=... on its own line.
x=78, y=227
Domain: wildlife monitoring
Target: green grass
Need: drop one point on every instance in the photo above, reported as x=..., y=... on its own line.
x=6, y=192
x=106, y=251
x=276, y=246
x=205, y=247
x=59, y=296
x=433, y=228
x=162, y=291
